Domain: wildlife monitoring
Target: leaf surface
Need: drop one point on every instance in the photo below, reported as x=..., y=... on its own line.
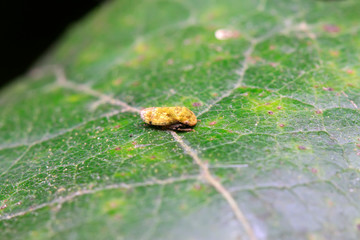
x=276, y=154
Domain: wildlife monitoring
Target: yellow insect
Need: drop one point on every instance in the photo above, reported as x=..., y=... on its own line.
x=173, y=118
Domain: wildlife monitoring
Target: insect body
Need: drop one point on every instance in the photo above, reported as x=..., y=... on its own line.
x=173, y=118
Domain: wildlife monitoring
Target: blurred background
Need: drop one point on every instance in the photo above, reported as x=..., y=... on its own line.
x=29, y=28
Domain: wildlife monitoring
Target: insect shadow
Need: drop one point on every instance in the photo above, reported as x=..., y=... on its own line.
x=180, y=127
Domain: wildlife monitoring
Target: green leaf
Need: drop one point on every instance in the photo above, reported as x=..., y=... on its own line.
x=276, y=154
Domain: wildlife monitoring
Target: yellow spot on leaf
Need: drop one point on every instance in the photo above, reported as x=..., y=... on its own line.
x=113, y=206
x=74, y=98
x=140, y=47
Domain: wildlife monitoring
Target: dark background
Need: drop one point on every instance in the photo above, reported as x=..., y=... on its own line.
x=29, y=27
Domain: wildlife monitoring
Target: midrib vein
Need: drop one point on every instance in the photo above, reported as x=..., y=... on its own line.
x=206, y=175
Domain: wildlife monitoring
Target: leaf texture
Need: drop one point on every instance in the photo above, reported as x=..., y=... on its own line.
x=276, y=154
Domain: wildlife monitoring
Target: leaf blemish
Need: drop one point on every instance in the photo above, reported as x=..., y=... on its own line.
x=270, y=112
x=225, y=34
x=300, y=147
x=196, y=104
x=273, y=64
x=281, y=125
x=314, y=170
x=334, y=53
x=350, y=71
x=117, y=82
x=318, y=111
x=197, y=187
x=170, y=62
x=330, y=89
x=212, y=123
x=331, y=28
x=254, y=59
x=135, y=84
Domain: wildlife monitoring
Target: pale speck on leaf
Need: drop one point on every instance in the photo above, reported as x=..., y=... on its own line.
x=300, y=147
x=273, y=64
x=196, y=104
x=331, y=28
x=225, y=34
x=170, y=61
x=334, y=53
x=350, y=71
x=330, y=89
x=212, y=123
